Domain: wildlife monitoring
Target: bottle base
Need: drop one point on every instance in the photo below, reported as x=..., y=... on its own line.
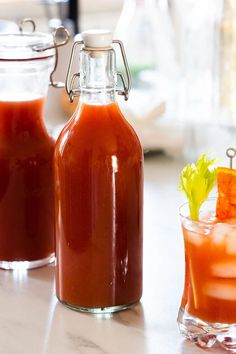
x=206, y=334
x=24, y=265
x=98, y=310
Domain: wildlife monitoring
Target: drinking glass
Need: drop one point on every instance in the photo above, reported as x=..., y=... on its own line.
x=208, y=309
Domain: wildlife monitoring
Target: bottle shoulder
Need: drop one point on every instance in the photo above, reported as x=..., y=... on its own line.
x=101, y=128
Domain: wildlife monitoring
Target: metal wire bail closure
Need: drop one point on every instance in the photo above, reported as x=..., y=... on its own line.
x=56, y=45
x=126, y=82
x=70, y=79
x=24, y=21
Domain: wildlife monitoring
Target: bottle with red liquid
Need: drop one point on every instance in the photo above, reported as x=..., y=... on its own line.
x=98, y=188
x=26, y=151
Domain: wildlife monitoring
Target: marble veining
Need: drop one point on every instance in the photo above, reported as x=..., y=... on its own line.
x=78, y=343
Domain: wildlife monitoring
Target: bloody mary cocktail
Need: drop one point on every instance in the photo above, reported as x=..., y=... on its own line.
x=210, y=280
x=208, y=309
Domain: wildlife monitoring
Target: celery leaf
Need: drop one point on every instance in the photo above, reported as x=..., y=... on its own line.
x=196, y=181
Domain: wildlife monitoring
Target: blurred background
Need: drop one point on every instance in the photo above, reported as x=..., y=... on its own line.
x=182, y=57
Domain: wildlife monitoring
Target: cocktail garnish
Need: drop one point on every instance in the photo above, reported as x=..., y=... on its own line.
x=196, y=181
x=226, y=202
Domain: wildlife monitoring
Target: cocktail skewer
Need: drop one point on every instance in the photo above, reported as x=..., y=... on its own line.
x=231, y=153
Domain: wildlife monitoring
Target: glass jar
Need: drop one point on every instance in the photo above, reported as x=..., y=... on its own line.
x=26, y=152
x=98, y=191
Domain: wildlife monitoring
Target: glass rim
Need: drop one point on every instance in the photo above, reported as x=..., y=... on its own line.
x=202, y=222
x=187, y=203
x=25, y=46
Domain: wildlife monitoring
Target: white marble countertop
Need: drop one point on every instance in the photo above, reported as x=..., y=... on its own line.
x=33, y=322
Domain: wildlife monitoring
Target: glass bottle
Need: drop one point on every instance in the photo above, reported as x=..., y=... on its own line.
x=152, y=61
x=98, y=191
x=198, y=86
x=26, y=152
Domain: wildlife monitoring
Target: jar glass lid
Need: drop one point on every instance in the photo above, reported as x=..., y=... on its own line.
x=26, y=46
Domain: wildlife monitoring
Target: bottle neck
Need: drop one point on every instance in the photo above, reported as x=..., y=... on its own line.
x=97, y=76
x=98, y=98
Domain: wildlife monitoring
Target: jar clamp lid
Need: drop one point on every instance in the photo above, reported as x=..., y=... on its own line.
x=24, y=46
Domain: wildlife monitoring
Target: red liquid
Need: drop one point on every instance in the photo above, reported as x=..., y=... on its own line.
x=99, y=183
x=26, y=184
